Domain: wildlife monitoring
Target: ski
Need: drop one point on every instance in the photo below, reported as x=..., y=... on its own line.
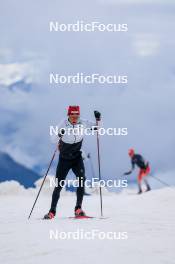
x=81, y=217
x=87, y=217
x=75, y=217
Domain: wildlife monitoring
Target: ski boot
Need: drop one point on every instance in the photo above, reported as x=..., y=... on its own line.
x=139, y=192
x=148, y=188
x=140, y=189
x=79, y=212
x=49, y=216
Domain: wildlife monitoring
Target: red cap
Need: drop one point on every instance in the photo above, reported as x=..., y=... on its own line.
x=131, y=152
x=73, y=109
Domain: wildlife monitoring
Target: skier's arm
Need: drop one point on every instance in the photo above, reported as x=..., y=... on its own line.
x=61, y=132
x=56, y=136
x=129, y=172
x=61, y=129
x=91, y=124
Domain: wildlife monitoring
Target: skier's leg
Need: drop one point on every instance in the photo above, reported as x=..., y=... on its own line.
x=79, y=170
x=148, y=188
x=139, y=180
x=63, y=168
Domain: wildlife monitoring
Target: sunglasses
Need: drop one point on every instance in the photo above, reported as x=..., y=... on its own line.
x=76, y=115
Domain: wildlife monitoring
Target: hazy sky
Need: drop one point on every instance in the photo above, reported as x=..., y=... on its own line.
x=145, y=53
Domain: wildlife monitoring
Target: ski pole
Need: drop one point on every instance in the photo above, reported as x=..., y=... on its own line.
x=43, y=182
x=164, y=183
x=99, y=169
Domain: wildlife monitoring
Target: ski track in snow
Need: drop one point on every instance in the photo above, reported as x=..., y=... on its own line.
x=148, y=219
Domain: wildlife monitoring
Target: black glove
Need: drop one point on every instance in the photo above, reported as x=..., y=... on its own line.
x=127, y=173
x=97, y=115
x=62, y=132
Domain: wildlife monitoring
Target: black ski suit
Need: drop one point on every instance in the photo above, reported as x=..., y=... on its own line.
x=70, y=158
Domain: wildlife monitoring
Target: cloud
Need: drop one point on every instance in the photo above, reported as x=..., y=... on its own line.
x=15, y=72
x=146, y=45
x=146, y=105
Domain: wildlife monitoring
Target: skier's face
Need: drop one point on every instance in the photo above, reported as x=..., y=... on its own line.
x=131, y=154
x=73, y=118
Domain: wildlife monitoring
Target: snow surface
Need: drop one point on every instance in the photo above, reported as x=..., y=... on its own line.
x=148, y=220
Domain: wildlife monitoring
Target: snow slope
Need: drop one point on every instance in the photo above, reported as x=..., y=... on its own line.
x=148, y=220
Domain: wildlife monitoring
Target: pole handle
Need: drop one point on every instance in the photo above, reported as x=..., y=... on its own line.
x=99, y=170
